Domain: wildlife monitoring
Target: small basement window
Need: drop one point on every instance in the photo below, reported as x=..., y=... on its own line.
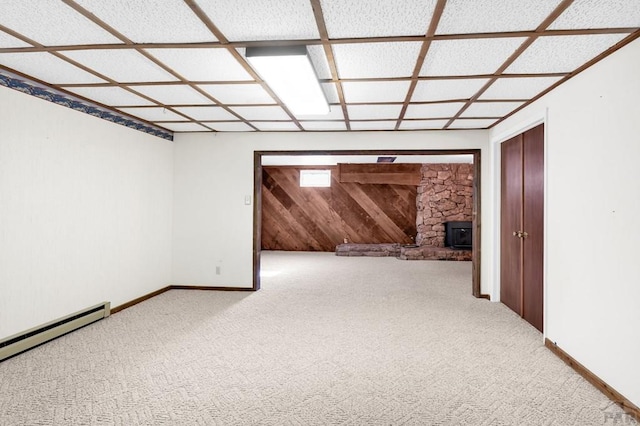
x=315, y=178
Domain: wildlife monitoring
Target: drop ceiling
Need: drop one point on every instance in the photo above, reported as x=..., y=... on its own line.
x=179, y=65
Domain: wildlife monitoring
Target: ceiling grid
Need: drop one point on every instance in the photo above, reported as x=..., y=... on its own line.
x=402, y=65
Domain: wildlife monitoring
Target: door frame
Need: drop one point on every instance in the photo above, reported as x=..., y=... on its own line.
x=495, y=152
x=476, y=208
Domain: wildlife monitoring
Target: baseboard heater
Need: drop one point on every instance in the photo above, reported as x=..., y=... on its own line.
x=33, y=337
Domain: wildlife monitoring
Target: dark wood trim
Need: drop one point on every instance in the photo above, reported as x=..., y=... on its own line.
x=484, y=296
x=477, y=169
x=203, y=287
x=139, y=299
x=615, y=396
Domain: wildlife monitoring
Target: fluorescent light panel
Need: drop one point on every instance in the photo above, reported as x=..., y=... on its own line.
x=289, y=73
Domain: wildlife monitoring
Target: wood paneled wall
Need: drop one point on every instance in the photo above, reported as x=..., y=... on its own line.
x=318, y=219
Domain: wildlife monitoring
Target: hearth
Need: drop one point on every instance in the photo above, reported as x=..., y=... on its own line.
x=458, y=234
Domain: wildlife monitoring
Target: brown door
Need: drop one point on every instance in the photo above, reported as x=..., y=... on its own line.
x=522, y=225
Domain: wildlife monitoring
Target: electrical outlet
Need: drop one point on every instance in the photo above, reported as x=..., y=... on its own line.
x=217, y=270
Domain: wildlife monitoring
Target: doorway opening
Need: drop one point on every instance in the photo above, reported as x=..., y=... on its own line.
x=476, y=207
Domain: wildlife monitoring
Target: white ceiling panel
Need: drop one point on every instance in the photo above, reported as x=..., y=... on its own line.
x=47, y=67
x=205, y=113
x=121, y=65
x=261, y=113
x=422, y=124
x=184, y=127
x=262, y=20
x=202, y=64
x=472, y=124
x=330, y=92
x=365, y=59
x=324, y=125
x=238, y=93
x=365, y=18
x=518, y=88
x=442, y=90
x=154, y=114
x=599, y=14
x=562, y=53
x=276, y=125
x=374, y=91
x=443, y=110
x=486, y=16
x=7, y=40
x=468, y=57
x=235, y=126
x=52, y=23
x=335, y=113
x=151, y=21
x=490, y=109
x=319, y=61
x=373, y=125
x=174, y=95
x=112, y=96
x=364, y=112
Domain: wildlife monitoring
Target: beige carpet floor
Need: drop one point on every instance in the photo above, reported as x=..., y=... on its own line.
x=327, y=341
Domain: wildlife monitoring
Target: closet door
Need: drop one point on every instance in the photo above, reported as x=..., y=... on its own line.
x=522, y=225
x=510, y=223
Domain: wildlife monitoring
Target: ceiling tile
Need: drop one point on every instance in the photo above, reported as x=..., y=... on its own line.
x=261, y=113
x=562, y=53
x=367, y=112
x=599, y=14
x=485, y=16
x=112, y=96
x=443, y=110
x=151, y=21
x=490, y=109
x=184, y=127
x=330, y=92
x=442, y=90
x=7, y=40
x=373, y=125
x=154, y=114
x=173, y=95
x=468, y=57
x=335, y=113
x=52, y=23
x=518, y=88
x=205, y=113
x=366, y=91
x=47, y=67
x=110, y=63
x=364, y=59
x=276, y=125
x=238, y=93
x=472, y=124
x=236, y=126
x=323, y=125
x=242, y=20
x=319, y=61
x=422, y=124
x=365, y=18
x=215, y=64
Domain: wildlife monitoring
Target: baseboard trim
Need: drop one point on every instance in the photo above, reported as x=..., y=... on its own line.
x=200, y=287
x=139, y=300
x=596, y=381
x=484, y=296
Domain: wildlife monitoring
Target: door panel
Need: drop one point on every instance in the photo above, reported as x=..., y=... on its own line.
x=533, y=219
x=511, y=221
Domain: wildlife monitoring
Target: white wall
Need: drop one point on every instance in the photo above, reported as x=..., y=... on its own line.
x=592, y=226
x=85, y=212
x=214, y=172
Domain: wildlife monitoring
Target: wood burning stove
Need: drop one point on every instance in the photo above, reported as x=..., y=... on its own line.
x=458, y=235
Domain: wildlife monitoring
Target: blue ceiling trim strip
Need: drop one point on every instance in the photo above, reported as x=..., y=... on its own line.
x=32, y=88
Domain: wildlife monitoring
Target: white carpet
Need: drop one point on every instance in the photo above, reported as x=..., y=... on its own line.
x=328, y=340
